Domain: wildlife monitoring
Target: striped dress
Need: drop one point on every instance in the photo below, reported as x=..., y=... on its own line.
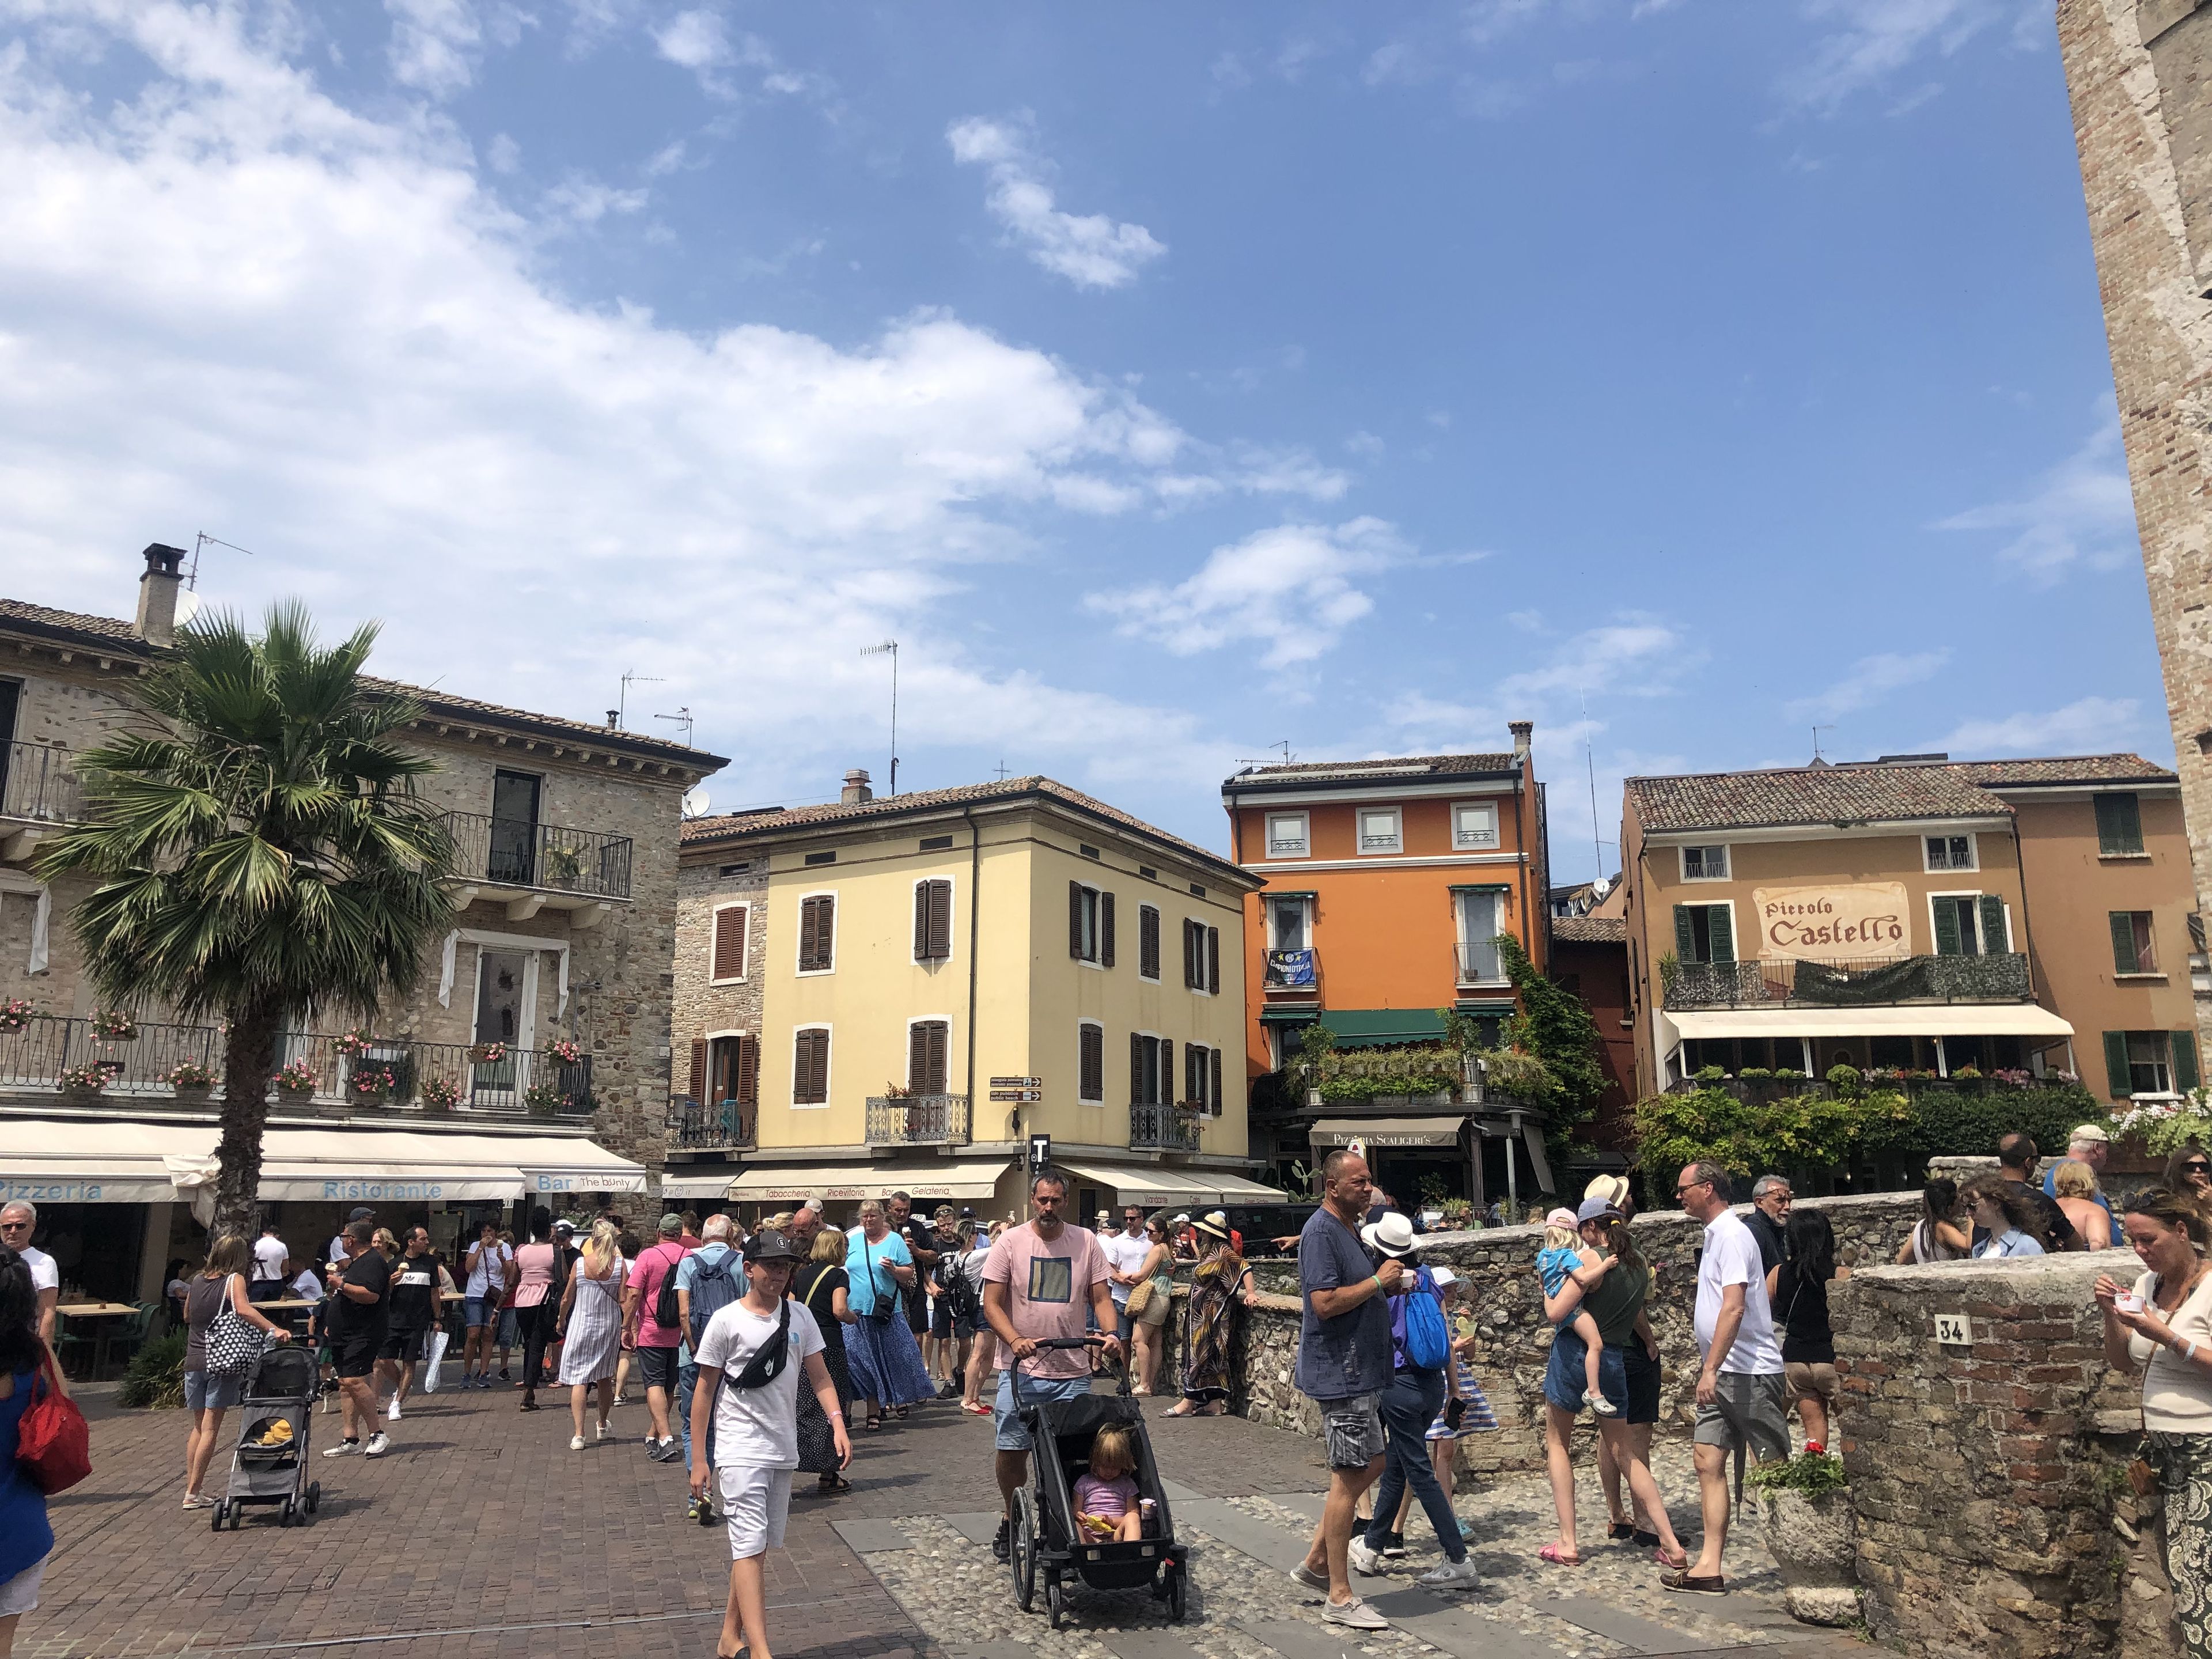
x=595, y=1322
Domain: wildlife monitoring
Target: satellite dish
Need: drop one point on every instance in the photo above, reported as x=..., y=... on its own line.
x=695, y=804
x=188, y=606
x=1601, y=887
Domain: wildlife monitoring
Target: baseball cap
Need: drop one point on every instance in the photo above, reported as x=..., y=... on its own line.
x=2087, y=1132
x=564, y=1225
x=769, y=1245
x=1443, y=1278
x=672, y=1224
x=360, y=1212
x=1596, y=1209
x=1562, y=1218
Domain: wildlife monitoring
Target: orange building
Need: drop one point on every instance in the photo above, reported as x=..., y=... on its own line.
x=1387, y=884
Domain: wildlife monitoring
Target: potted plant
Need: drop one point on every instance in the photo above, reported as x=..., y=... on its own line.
x=567, y=1050
x=543, y=1099
x=353, y=1043
x=369, y=1086
x=191, y=1082
x=296, y=1082
x=81, y=1084
x=439, y=1094
x=1805, y=1512
x=114, y=1025
x=14, y=1015
x=488, y=1053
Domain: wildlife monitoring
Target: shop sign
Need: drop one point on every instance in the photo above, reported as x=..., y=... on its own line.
x=360, y=1191
x=1834, y=921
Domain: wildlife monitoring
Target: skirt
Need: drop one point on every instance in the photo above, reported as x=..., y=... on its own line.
x=885, y=1362
x=817, y=1441
x=1478, y=1418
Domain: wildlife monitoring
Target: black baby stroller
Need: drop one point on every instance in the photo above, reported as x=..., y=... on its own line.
x=269, y=1463
x=1046, y=1541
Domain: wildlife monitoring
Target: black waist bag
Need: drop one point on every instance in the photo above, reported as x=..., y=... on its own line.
x=769, y=1359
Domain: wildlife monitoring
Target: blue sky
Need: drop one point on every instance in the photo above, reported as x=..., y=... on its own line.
x=1171, y=381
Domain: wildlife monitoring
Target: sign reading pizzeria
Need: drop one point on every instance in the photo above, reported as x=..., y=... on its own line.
x=1831, y=923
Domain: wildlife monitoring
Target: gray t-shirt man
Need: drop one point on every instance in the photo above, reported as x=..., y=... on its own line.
x=1349, y=1354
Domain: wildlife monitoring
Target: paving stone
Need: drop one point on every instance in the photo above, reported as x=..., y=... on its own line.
x=863, y=1536
x=1216, y=1518
x=1295, y=1638
x=1308, y=1503
x=977, y=1527
x=1457, y=1630
x=1179, y=1493
x=1146, y=1644
x=1639, y=1635
x=991, y=1651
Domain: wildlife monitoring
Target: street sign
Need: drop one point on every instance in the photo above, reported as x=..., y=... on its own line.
x=1018, y=1096
x=1018, y=1083
x=1040, y=1151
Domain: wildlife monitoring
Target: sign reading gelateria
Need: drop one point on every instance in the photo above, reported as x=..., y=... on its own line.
x=1832, y=922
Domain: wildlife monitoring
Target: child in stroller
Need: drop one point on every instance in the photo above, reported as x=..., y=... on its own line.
x=1106, y=1499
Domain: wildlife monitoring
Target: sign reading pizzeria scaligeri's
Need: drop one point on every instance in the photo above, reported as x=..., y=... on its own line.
x=1865, y=919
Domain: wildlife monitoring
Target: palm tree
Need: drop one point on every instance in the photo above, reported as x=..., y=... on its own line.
x=259, y=854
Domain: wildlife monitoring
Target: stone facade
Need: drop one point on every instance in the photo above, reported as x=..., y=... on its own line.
x=2143, y=111
x=706, y=1006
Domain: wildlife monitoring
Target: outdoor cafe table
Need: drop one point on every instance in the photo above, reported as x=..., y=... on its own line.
x=103, y=1312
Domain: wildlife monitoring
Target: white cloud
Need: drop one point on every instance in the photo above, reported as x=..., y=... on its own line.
x=503, y=153
x=437, y=45
x=582, y=200
x=1089, y=250
x=695, y=39
x=2080, y=511
x=1289, y=589
x=1870, y=680
x=2089, y=726
x=1870, y=40
x=1634, y=652
x=348, y=359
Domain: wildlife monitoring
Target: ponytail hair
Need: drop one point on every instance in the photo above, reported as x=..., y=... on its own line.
x=1622, y=1244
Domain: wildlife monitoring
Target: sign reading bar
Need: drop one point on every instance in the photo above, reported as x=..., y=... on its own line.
x=1018, y=1083
x=1834, y=921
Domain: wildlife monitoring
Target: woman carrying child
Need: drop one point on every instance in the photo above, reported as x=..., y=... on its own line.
x=1106, y=1504
x=1576, y=1344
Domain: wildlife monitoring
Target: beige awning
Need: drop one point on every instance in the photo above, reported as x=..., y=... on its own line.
x=1920, y=1019
x=1153, y=1184
x=1388, y=1132
x=843, y=1182
x=695, y=1185
x=94, y=1160
x=341, y=1166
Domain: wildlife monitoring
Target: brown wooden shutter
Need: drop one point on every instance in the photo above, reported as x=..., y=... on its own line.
x=1148, y=941
x=747, y=1071
x=939, y=1035
x=1091, y=1063
x=1213, y=961
x=1075, y=919
x=728, y=960
x=1137, y=1092
x=922, y=920
x=810, y=1068
x=1105, y=930
x=817, y=923
x=698, y=1068
x=940, y=920
x=1213, y=1092
x=1189, y=957
x=1167, y=1069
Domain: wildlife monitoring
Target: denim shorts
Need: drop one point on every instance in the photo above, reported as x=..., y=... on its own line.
x=474, y=1311
x=205, y=1391
x=1013, y=1435
x=1565, y=1376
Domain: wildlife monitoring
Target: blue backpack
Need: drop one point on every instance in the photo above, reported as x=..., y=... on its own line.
x=713, y=1287
x=1428, y=1343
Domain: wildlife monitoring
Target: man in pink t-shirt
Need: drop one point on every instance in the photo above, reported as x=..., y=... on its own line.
x=656, y=1343
x=1043, y=1279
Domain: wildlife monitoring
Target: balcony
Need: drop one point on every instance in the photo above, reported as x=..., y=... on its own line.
x=1873, y=982
x=724, y=1126
x=38, y=787
x=578, y=871
x=1479, y=964
x=918, y=1120
x=1163, y=1125
x=1291, y=979
x=383, y=1076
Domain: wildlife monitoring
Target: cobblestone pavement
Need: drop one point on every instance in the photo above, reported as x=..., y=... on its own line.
x=484, y=1534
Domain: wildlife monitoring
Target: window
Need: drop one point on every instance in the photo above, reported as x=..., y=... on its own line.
x=1151, y=1070
x=1951, y=853
x=1201, y=958
x=1379, y=830
x=2131, y=945
x=1287, y=835
x=1148, y=873
x=1970, y=925
x=1087, y=852
x=937, y=843
x=810, y=1065
x=932, y=920
x=726, y=1068
x=1090, y=925
x=1197, y=891
x=1090, y=1062
x=512, y=849
x=2119, y=825
x=1474, y=826
x=927, y=1041
x=2150, y=1062
x=1286, y=924
x=727, y=962
x=822, y=858
x=734, y=869
x=1148, y=941
x=1704, y=864
x=1705, y=932
x=1481, y=920
x=1202, y=1078
x=818, y=934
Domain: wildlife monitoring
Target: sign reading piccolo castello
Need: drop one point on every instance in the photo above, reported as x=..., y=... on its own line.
x=1862, y=920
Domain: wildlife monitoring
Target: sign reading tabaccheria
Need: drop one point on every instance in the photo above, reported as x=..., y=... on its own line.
x=1831, y=923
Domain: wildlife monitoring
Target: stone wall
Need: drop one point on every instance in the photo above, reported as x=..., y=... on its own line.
x=703, y=1004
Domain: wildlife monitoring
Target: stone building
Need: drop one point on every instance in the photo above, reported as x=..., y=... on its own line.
x=558, y=951
x=2142, y=113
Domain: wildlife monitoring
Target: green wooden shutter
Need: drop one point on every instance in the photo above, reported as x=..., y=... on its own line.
x=2116, y=1065
x=1686, y=941
x=1947, y=927
x=1994, y=942
x=2124, y=943
x=1720, y=925
x=2185, y=1062
x=2119, y=824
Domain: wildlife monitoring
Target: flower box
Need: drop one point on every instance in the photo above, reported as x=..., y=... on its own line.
x=14, y=1015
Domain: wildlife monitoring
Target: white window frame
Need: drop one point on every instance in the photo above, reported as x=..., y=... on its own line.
x=798, y=934
x=1082, y=1099
x=1305, y=834
x=930, y=1019
x=1153, y=1036
x=1460, y=842
x=1727, y=860
x=2166, y=1064
x=1207, y=1106
x=1359, y=816
x=1305, y=921
x=1208, y=939
x=1973, y=854
x=744, y=949
x=951, y=930
x=1976, y=894
x=1502, y=897
x=829, y=1071
x=1736, y=938
x=710, y=1038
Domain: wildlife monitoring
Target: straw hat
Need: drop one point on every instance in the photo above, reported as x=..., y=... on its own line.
x=1213, y=1221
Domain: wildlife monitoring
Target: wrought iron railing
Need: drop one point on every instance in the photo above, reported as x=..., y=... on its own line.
x=1873, y=982
x=918, y=1120
x=38, y=781
x=1163, y=1125
x=716, y=1123
x=383, y=1076
x=518, y=852
x=1478, y=964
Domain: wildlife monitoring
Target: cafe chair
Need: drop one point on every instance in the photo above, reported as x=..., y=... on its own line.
x=74, y=1351
x=133, y=1333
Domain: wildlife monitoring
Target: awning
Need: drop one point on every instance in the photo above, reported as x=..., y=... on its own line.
x=1919, y=1019
x=1155, y=1184
x=390, y=1166
x=846, y=1182
x=1368, y=1028
x=695, y=1185
x=1388, y=1132
x=561, y=1163
x=94, y=1160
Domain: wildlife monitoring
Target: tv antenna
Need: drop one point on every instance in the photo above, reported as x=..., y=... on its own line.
x=1816, y=739
x=631, y=677
x=682, y=717
x=1283, y=743
x=891, y=647
x=1589, y=759
x=1001, y=769
x=203, y=540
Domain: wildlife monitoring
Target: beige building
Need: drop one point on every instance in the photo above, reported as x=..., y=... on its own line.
x=557, y=951
x=932, y=980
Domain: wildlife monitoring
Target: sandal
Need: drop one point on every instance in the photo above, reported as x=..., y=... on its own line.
x=832, y=1484
x=1186, y=1409
x=976, y=1408
x=1558, y=1557
x=1685, y=1581
x=1644, y=1539
x=1682, y=1566
x=1620, y=1529
x=899, y=1412
x=874, y=1424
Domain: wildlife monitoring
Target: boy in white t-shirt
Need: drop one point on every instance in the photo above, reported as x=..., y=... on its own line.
x=757, y=1428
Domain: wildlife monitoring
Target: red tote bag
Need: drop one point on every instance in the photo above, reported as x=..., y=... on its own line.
x=53, y=1443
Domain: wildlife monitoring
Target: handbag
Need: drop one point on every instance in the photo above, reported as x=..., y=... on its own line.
x=233, y=1343
x=1141, y=1297
x=53, y=1443
x=881, y=1311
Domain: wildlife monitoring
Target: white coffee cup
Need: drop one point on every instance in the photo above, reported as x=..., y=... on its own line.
x=2127, y=1302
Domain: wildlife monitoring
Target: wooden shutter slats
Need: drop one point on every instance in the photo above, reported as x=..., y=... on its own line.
x=1948, y=942
x=1075, y=919
x=1685, y=939
x=2185, y=1074
x=810, y=1068
x=747, y=1071
x=1137, y=1095
x=922, y=920
x=818, y=932
x=1720, y=923
x=924, y=1059
x=1167, y=1087
x=1213, y=1090
x=2123, y=942
x=1148, y=941
x=1105, y=930
x=940, y=920
x=729, y=946
x=1189, y=957
x=1993, y=925
x=2119, y=1081
x=1090, y=1062
x=699, y=1068
x=1213, y=961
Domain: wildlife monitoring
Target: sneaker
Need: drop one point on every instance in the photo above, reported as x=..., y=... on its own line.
x=670, y=1450
x=1312, y=1580
x=691, y=1510
x=392, y=1412
x=343, y=1449
x=504, y=1377
x=1600, y=1404
x=1460, y=1575
x=1393, y=1546
x=1002, y=1545
x=575, y=1443
x=378, y=1445
x=604, y=1430
x=199, y=1501
x=1466, y=1531
x=1354, y=1614
x=1364, y=1561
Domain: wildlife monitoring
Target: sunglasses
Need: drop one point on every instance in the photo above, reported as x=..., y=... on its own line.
x=2197, y=1166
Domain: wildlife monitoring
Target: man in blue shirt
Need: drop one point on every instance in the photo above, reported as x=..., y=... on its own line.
x=1345, y=1362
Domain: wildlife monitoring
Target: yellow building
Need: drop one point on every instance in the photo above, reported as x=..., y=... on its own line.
x=945, y=974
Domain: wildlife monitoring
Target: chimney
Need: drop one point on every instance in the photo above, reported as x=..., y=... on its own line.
x=1520, y=729
x=157, y=595
x=856, y=788
x=614, y=720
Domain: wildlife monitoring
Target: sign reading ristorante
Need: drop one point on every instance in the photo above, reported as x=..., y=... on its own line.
x=1831, y=922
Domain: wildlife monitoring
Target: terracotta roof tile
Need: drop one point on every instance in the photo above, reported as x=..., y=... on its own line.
x=2070, y=769
x=1864, y=792
x=1590, y=930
